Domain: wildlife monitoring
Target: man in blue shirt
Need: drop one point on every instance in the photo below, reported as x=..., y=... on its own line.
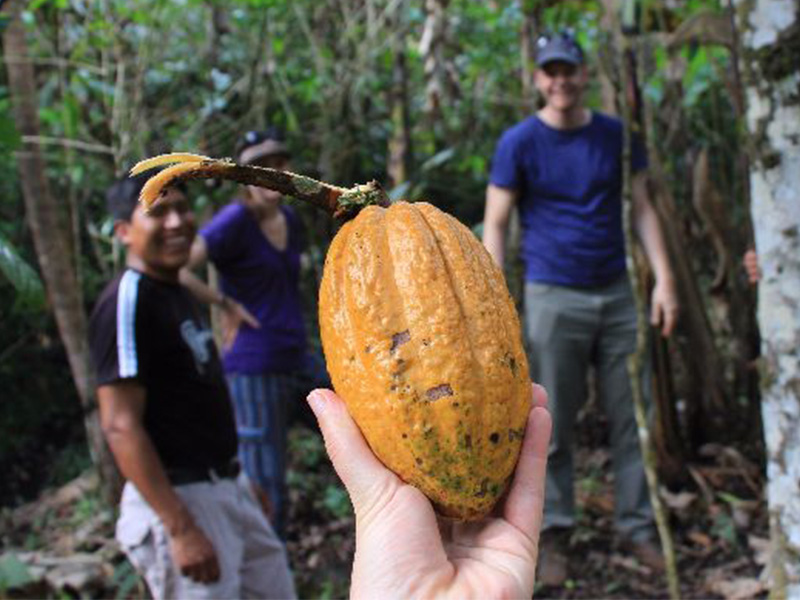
x=562, y=169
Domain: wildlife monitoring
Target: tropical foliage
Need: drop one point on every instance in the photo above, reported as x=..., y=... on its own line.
x=412, y=93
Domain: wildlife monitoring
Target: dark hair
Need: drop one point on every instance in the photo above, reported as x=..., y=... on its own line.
x=254, y=137
x=123, y=195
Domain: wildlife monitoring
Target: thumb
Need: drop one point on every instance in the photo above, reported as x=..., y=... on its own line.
x=362, y=473
x=248, y=318
x=655, y=313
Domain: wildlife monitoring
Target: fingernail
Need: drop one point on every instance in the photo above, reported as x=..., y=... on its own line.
x=317, y=401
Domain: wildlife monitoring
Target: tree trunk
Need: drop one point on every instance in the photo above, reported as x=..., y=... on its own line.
x=52, y=242
x=400, y=150
x=441, y=79
x=771, y=42
x=705, y=386
x=529, y=33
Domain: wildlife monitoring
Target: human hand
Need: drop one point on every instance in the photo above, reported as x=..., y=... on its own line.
x=233, y=315
x=750, y=262
x=194, y=555
x=664, y=306
x=404, y=550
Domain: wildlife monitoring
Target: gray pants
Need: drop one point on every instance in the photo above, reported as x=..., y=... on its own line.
x=253, y=562
x=569, y=329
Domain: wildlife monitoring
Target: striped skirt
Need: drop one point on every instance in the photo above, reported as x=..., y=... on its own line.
x=265, y=405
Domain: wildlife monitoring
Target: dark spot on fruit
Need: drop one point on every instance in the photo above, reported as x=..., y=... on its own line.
x=494, y=438
x=515, y=434
x=398, y=339
x=510, y=362
x=405, y=436
x=368, y=349
x=419, y=461
x=468, y=441
x=440, y=391
x=482, y=489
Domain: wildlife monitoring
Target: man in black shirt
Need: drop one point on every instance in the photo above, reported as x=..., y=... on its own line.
x=188, y=521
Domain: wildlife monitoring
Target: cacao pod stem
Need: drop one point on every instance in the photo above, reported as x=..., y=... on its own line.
x=341, y=203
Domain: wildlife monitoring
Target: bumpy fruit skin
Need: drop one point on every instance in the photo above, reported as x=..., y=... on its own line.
x=423, y=343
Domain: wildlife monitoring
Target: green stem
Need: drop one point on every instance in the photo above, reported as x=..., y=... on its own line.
x=636, y=360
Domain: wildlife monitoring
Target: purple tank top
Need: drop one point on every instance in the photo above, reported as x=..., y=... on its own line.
x=266, y=281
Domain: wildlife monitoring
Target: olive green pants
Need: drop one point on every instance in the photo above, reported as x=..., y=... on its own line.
x=569, y=330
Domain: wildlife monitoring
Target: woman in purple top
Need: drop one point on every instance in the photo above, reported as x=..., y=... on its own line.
x=255, y=243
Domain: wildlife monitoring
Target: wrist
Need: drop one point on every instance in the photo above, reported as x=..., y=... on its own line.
x=662, y=271
x=666, y=279
x=221, y=300
x=179, y=522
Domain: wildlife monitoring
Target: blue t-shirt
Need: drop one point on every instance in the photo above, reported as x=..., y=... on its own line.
x=266, y=281
x=569, y=185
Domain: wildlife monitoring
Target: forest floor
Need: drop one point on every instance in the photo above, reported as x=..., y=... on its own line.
x=61, y=545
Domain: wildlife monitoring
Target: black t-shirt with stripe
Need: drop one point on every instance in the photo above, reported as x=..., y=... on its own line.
x=153, y=332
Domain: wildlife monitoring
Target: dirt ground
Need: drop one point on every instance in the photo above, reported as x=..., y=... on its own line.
x=61, y=545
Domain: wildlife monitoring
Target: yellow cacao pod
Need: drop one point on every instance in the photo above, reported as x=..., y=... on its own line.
x=423, y=343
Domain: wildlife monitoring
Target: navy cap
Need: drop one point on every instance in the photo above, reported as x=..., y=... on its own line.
x=258, y=144
x=561, y=47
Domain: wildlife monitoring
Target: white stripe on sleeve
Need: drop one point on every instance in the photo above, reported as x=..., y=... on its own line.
x=126, y=324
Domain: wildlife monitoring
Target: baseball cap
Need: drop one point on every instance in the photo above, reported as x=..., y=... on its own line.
x=257, y=144
x=561, y=46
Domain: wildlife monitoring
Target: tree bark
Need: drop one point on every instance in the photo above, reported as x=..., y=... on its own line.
x=529, y=33
x=51, y=238
x=771, y=44
x=400, y=149
x=441, y=79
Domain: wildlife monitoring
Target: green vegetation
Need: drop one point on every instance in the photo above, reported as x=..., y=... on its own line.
x=124, y=79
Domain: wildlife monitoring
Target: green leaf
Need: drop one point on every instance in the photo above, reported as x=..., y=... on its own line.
x=10, y=139
x=629, y=16
x=438, y=159
x=399, y=191
x=729, y=498
x=13, y=572
x=30, y=292
x=337, y=502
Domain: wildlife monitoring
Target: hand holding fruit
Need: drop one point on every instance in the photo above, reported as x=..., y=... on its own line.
x=404, y=550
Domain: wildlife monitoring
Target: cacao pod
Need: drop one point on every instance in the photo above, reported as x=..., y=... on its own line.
x=423, y=343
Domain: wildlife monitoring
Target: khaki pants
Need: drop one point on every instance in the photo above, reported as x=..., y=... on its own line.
x=569, y=330
x=253, y=562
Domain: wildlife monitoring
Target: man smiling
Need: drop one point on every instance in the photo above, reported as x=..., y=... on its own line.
x=188, y=522
x=562, y=169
